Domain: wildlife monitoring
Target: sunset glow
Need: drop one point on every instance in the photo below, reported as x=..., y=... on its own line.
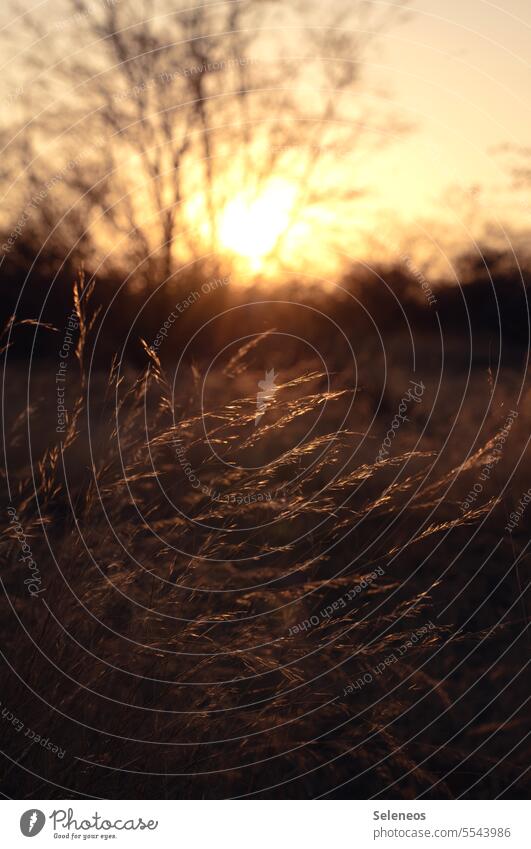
x=251, y=227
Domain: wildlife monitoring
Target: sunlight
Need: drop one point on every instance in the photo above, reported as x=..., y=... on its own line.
x=251, y=227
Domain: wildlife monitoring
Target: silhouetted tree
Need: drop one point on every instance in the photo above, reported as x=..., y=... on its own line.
x=148, y=116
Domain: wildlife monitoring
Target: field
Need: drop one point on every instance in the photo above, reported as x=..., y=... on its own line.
x=267, y=575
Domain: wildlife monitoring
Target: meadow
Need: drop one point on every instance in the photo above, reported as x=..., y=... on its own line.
x=326, y=602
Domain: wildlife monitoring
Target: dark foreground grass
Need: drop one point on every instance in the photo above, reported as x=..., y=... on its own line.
x=267, y=612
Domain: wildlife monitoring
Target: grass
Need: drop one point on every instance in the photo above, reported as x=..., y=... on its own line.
x=165, y=654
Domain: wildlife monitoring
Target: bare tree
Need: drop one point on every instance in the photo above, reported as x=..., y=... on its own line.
x=162, y=112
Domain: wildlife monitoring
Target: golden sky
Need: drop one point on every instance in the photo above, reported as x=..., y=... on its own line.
x=457, y=73
x=460, y=71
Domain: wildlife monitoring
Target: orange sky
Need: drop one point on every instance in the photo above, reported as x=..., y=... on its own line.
x=459, y=74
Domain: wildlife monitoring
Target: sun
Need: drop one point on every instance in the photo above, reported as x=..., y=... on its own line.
x=250, y=227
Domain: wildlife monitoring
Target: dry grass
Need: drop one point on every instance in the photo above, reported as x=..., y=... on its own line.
x=161, y=655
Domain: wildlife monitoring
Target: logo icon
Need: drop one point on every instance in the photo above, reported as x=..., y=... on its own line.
x=265, y=396
x=32, y=822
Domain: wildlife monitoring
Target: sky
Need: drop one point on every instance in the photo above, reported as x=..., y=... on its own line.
x=460, y=71
x=458, y=74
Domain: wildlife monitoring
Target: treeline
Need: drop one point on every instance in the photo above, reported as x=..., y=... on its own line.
x=198, y=308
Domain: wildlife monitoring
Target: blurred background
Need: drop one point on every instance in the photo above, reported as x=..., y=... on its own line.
x=157, y=145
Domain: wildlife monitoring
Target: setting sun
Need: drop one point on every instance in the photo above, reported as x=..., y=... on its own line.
x=251, y=227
